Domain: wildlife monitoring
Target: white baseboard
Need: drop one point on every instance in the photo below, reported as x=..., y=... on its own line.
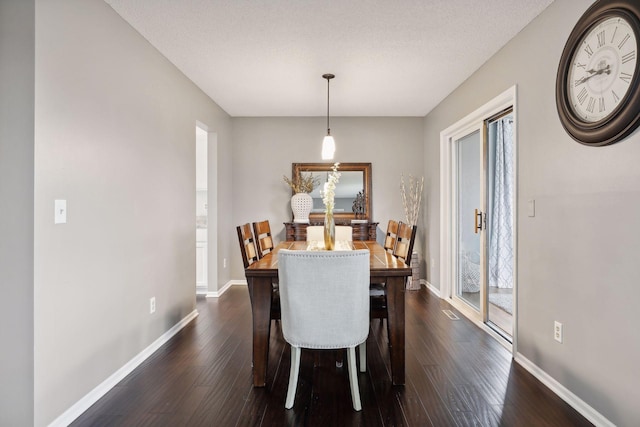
x=431, y=288
x=94, y=395
x=202, y=290
x=226, y=287
x=565, y=394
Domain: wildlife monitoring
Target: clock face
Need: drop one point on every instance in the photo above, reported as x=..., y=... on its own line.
x=602, y=69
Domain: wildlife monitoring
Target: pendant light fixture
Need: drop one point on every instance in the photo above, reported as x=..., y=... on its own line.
x=328, y=144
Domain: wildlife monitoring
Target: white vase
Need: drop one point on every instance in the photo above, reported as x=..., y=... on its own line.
x=301, y=205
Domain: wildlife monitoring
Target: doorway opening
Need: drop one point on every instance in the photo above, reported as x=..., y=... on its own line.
x=202, y=207
x=478, y=220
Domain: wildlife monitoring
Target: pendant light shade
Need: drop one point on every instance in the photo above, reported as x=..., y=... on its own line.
x=328, y=147
x=328, y=144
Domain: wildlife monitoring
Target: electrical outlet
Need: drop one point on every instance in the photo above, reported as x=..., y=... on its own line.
x=224, y=263
x=557, y=331
x=152, y=305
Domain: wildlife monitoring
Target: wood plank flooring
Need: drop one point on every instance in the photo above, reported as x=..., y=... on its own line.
x=456, y=375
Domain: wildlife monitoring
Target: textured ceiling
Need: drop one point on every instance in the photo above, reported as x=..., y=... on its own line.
x=267, y=57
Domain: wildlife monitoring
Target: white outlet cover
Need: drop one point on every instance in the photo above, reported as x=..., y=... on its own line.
x=557, y=331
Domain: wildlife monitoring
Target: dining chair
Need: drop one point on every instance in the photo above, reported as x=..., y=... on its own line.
x=316, y=233
x=402, y=249
x=377, y=290
x=324, y=298
x=247, y=245
x=404, y=243
x=262, y=233
x=344, y=233
x=392, y=235
x=249, y=256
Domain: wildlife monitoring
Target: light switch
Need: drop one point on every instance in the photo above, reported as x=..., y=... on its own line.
x=531, y=208
x=60, y=214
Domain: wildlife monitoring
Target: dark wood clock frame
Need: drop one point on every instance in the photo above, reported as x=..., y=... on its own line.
x=626, y=117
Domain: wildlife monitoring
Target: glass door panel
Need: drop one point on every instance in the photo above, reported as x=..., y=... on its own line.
x=468, y=253
x=500, y=220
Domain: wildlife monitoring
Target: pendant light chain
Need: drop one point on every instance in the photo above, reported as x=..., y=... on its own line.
x=328, y=127
x=328, y=77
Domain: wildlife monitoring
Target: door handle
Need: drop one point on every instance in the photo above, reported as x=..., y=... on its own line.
x=478, y=221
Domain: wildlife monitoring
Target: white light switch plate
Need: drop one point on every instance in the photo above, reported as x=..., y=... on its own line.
x=531, y=208
x=60, y=214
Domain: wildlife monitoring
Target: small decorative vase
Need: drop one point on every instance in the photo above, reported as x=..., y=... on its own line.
x=301, y=204
x=329, y=232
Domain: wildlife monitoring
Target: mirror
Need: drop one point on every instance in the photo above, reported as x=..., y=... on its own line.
x=354, y=178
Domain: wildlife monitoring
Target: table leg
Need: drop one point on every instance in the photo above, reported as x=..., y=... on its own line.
x=395, y=311
x=260, y=292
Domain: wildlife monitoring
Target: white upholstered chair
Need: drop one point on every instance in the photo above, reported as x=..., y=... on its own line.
x=344, y=232
x=324, y=300
x=316, y=232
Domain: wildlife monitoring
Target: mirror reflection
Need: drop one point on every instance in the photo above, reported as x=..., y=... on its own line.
x=355, y=178
x=350, y=184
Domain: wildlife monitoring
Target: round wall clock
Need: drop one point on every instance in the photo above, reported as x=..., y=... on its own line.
x=598, y=81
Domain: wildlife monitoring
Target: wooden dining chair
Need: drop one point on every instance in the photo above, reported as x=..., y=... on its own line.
x=247, y=245
x=249, y=256
x=403, y=248
x=377, y=291
x=404, y=243
x=392, y=235
x=325, y=305
x=262, y=233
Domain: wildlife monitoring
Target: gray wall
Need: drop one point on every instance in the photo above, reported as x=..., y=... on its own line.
x=115, y=137
x=17, y=20
x=578, y=257
x=264, y=148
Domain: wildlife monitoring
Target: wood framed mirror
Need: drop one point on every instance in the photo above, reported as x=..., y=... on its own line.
x=354, y=178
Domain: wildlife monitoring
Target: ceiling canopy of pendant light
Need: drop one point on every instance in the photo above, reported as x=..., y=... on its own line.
x=328, y=144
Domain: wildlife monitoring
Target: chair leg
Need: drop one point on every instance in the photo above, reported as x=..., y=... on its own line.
x=353, y=379
x=363, y=356
x=293, y=376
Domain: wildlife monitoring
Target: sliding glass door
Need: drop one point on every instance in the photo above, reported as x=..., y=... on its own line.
x=483, y=177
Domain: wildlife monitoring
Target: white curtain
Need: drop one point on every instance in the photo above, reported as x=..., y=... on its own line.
x=500, y=212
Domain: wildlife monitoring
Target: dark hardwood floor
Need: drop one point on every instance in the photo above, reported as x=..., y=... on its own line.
x=456, y=375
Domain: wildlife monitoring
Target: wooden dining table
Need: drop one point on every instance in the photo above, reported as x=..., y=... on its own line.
x=383, y=267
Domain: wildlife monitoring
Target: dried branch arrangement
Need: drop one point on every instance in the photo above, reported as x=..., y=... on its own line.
x=302, y=183
x=411, y=196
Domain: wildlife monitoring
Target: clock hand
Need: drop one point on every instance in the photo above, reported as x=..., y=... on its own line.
x=594, y=73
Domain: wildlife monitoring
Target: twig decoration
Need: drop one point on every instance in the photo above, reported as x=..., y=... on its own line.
x=411, y=197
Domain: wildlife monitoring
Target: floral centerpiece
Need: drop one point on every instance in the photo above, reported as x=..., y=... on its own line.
x=328, y=198
x=301, y=202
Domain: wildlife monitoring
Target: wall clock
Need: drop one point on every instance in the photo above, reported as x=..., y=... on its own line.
x=598, y=81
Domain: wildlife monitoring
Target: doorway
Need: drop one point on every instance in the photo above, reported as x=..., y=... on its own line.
x=202, y=207
x=478, y=216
